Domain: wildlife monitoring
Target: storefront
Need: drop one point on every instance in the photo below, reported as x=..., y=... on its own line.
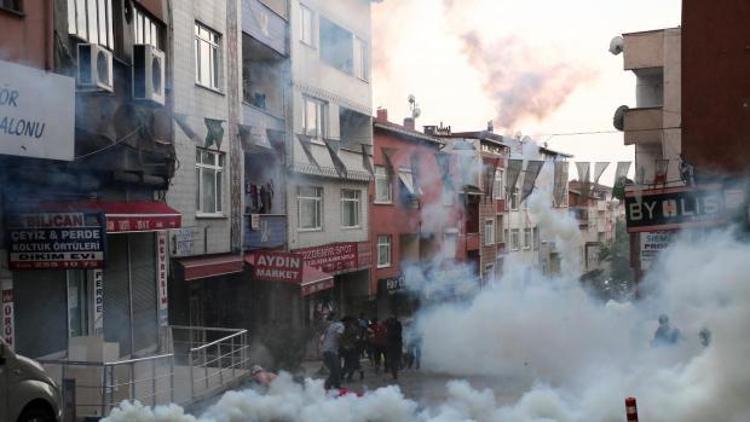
x=88, y=279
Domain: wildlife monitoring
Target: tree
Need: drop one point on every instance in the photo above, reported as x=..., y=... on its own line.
x=617, y=280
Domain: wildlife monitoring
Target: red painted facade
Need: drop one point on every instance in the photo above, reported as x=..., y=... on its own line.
x=715, y=86
x=403, y=221
x=27, y=34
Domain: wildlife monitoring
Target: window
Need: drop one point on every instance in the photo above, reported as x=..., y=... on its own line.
x=499, y=189
x=383, y=186
x=536, y=238
x=209, y=172
x=14, y=5
x=489, y=232
x=406, y=177
x=145, y=30
x=505, y=235
x=499, y=229
x=384, y=251
x=515, y=239
x=315, y=120
x=350, y=207
x=527, y=238
x=514, y=200
x=336, y=46
x=90, y=20
x=306, y=26
x=360, y=59
x=448, y=195
x=450, y=243
x=207, y=63
x=310, y=207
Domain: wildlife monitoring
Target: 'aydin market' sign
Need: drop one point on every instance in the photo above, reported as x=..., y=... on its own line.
x=681, y=207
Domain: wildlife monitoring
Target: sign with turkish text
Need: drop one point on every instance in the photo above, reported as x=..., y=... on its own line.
x=37, y=113
x=652, y=243
x=162, y=262
x=183, y=242
x=332, y=258
x=6, y=301
x=675, y=208
x=392, y=285
x=278, y=266
x=65, y=240
x=98, y=277
x=144, y=223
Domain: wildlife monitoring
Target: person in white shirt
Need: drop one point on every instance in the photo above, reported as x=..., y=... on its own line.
x=330, y=349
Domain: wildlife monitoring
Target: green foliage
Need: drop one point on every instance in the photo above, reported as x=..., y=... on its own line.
x=617, y=280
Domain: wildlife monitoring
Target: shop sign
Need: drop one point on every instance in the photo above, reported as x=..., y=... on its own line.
x=9, y=334
x=674, y=208
x=392, y=285
x=69, y=240
x=37, y=113
x=183, y=242
x=145, y=223
x=278, y=266
x=333, y=258
x=651, y=244
x=316, y=287
x=98, y=276
x=161, y=277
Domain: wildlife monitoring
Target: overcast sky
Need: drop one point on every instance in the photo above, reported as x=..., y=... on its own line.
x=536, y=66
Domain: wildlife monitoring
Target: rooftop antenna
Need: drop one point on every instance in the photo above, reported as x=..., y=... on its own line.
x=414, y=107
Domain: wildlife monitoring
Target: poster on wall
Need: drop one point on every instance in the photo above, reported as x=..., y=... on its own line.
x=652, y=243
x=52, y=240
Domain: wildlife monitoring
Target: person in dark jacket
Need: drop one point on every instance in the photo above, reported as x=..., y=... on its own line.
x=395, y=345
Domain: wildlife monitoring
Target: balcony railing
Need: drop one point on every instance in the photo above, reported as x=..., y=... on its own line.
x=265, y=231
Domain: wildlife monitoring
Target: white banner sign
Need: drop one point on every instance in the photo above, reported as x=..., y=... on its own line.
x=161, y=276
x=651, y=244
x=37, y=113
x=8, y=315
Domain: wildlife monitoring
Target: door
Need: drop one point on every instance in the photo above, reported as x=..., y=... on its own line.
x=3, y=381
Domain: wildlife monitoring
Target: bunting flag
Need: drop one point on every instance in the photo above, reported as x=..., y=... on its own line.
x=490, y=171
x=511, y=174
x=181, y=120
x=621, y=176
x=599, y=168
x=246, y=137
x=215, y=133
x=561, y=182
x=338, y=164
x=444, y=163
x=367, y=162
x=306, y=143
x=415, y=173
x=584, y=178
x=661, y=171
x=388, y=154
x=533, y=168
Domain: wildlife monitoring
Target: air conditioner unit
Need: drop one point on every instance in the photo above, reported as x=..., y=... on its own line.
x=94, y=68
x=148, y=73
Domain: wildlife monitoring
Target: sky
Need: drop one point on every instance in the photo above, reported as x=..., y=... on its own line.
x=538, y=67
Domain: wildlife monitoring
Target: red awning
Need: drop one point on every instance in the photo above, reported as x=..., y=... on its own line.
x=210, y=266
x=127, y=217
x=315, y=280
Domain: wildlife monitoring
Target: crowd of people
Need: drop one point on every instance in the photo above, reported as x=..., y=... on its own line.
x=346, y=342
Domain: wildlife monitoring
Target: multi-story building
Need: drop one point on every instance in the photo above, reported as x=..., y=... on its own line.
x=412, y=224
x=596, y=213
x=654, y=126
x=329, y=150
x=482, y=158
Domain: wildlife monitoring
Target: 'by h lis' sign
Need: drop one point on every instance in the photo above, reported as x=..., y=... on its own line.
x=674, y=208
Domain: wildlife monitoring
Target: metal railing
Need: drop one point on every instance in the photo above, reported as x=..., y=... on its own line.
x=209, y=359
x=100, y=386
x=215, y=357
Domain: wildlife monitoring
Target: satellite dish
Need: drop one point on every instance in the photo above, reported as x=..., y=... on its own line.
x=617, y=45
x=619, y=120
x=412, y=99
x=416, y=113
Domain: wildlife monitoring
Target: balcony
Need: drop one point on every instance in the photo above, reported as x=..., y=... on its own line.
x=644, y=50
x=266, y=22
x=472, y=241
x=265, y=231
x=502, y=205
x=644, y=125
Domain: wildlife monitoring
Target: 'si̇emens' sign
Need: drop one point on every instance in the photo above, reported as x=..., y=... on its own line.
x=51, y=240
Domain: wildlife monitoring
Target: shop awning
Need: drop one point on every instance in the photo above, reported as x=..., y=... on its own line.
x=210, y=266
x=315, y=280
x=126, y=216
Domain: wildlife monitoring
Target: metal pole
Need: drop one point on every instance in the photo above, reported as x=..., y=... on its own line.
x=192, y=376
x=234, y=350
x=104, y=389
x=205, y=365
x=130, y=293
x=132, y=381
x=153, y=382
x=221, y=365
x=171, y=378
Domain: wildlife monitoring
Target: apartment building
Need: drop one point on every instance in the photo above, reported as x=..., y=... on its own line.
x=596, y=214
x=329, y=153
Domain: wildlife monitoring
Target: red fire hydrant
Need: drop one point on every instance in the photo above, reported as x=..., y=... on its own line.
x=631, y=410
